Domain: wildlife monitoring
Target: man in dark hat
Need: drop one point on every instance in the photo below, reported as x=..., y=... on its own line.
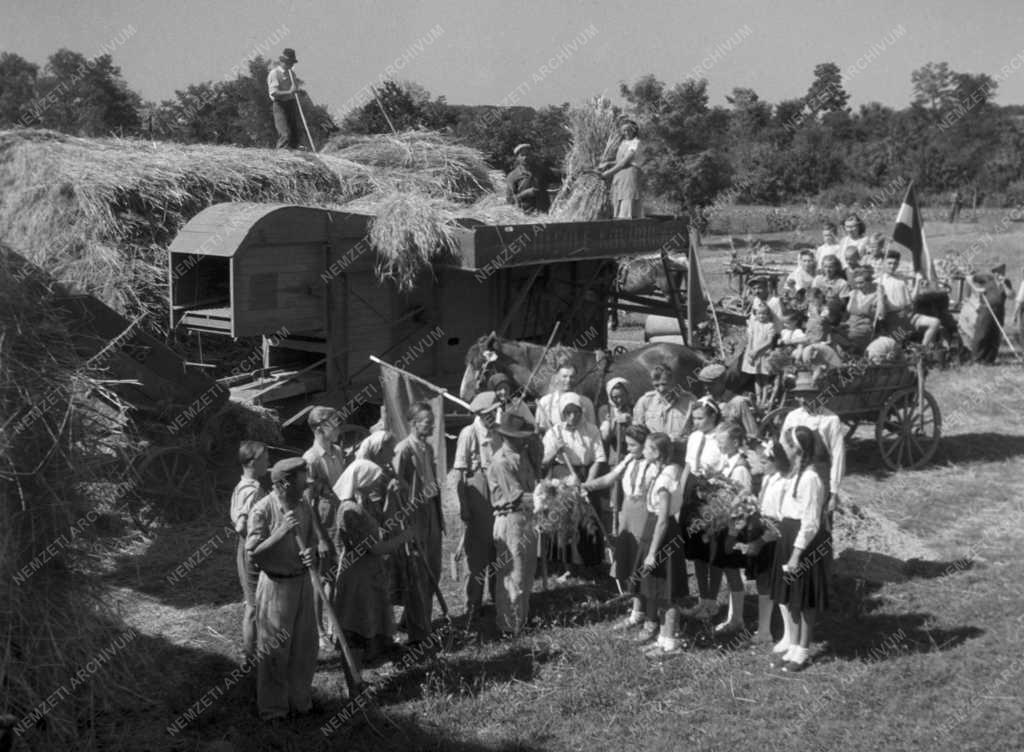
x=526, y=185
x=280, y=532
x=512, y=476
x=476, y=446
x=283, y=87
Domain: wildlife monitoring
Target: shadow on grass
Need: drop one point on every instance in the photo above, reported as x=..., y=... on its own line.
x=980, y=447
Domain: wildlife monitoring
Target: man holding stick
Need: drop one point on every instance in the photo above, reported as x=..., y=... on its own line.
x=285, y=619
x=284, y=87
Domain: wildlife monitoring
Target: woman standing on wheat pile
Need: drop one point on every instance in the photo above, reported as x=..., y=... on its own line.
x=625, y=174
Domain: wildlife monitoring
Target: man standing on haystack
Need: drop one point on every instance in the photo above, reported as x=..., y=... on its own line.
x=284, y=87
x=525, y=185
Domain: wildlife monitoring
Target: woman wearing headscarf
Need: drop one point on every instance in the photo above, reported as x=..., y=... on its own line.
x=360, y=596
x=614, y=417
x=625, y=174
x=573, y=449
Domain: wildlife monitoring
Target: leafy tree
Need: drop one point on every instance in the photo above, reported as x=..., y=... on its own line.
x=826, y=93
x=17, y=87
x=933, y=86
x=87, y=97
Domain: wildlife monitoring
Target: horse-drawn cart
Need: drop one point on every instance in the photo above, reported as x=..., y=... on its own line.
x=908, y=423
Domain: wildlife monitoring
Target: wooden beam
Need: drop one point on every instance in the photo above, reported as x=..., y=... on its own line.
x=439, y=389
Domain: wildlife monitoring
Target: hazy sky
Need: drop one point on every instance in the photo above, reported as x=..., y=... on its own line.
x=486, y=52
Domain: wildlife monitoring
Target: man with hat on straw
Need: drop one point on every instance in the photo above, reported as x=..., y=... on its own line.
x=476, y=446
x=283, y=87
x=512, y=476
x=717, y=379
x=525, y=186
x=829, y=435
x=625, y=174
x=280, y=529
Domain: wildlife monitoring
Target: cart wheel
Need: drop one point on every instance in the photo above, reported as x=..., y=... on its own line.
x=908, y=433
x=349, y=436
x=172, y=484
x=771, y=423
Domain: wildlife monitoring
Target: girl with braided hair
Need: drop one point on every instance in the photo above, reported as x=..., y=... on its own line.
x=799, y=580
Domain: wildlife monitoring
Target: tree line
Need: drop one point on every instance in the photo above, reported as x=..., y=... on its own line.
x=951, y=136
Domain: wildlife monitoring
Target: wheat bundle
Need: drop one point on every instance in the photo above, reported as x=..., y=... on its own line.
x=593, y=139
x=420, y=161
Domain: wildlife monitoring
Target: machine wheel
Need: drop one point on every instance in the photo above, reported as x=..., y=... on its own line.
x=908, y=433
x=171, y=483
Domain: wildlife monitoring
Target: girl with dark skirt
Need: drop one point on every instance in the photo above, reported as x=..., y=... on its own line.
x=635, y=474
x=725, y=557
x=662, y=574
x=799, y=580
x=760, y=547
x=702, y=456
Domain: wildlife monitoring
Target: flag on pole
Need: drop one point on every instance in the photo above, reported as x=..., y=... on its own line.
x=401, y=390
x=697, y=300
x=909, y=232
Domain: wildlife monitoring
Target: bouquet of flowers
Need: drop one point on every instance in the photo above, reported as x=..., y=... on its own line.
x=744, y=516
x=558, y=510
x=718, y=494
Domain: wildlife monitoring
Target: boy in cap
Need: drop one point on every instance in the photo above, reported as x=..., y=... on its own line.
x=325, y=462
x=526, y=186
x=476, y=446
x=280, y=529
x=252, y=455
x=735, y=407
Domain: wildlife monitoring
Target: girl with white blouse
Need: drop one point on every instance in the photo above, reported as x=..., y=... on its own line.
x=799, y=580
x=702, y=456
x=726, y=558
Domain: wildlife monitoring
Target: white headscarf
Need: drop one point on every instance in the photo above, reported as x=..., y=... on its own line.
x=358, y=477
x=614, y=382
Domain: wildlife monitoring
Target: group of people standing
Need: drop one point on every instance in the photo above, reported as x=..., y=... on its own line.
x=370, y=527
x=649, y=454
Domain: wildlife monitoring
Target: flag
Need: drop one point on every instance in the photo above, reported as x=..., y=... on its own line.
x=909, y=232
x=697, y=300
x=401, y=390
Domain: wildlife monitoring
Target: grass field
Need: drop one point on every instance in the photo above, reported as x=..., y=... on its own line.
x=923, y=648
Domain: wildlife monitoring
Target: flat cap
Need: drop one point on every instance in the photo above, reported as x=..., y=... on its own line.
x=322, y=414
x=484, y=402
x=286, y=468
x=712, y=372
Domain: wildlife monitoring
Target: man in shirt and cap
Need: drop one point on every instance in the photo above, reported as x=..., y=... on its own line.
x=512, y=476
x=280, y=531
x=283, y=87
x=526, y=186
x=719, y=384
x=830, y=434
x=476, y=446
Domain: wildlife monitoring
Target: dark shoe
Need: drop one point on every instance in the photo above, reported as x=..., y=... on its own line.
x=792, y=667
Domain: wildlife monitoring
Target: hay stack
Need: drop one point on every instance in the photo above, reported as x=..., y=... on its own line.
x=421, y=161
x=594, y=139
x=52, y=622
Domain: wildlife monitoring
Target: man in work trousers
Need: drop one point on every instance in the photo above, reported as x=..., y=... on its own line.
x=477, y=443
x=283, y=88
x=512, y=476
x=284, y=595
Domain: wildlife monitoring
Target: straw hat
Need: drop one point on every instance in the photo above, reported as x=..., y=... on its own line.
x=513, y=426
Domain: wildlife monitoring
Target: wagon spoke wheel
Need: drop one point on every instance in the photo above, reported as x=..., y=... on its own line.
x=350, y=436
x=908, y=433
x=771, y=424
x=172, y=483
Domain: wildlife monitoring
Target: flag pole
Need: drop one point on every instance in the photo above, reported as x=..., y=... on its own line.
x=439, y=389
x=703, y=289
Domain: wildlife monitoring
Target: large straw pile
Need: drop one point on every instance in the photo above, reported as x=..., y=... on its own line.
x=594, y=139
x=55, y=421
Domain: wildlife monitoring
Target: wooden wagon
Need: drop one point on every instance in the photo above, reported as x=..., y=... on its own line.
x=906, y=417
x=303, y=280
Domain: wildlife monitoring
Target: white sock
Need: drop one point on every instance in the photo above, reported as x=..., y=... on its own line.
x=791, y=654
x=636, y=617
x=798, y=654
x=782, y=647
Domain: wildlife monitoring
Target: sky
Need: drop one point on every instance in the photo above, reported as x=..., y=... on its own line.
x=533, y=53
